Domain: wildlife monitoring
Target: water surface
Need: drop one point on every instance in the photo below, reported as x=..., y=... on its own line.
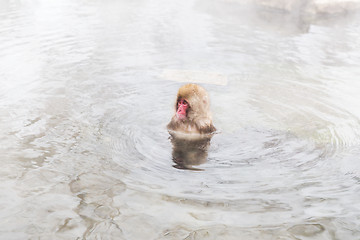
x=84, y=107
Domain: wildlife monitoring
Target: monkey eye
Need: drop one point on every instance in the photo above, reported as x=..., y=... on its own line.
x=183, y=101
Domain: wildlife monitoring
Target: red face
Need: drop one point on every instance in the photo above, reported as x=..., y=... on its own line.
x=182, y=106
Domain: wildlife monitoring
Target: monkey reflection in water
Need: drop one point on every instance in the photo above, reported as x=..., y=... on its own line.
x=188, y=153
x=191, y=127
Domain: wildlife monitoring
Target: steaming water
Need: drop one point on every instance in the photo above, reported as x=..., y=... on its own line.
x=85, y=151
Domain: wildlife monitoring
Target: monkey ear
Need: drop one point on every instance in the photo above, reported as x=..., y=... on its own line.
x=205, y=100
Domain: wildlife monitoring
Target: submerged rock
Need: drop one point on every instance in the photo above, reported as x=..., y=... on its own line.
x=311, y=8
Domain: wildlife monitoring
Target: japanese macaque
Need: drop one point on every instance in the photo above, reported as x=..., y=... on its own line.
x=192, y=111
x=191, y=127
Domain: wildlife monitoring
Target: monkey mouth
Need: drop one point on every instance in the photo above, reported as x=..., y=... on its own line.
x=181, y=116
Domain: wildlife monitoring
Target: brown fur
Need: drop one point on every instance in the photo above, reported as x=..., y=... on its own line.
x=198, y=118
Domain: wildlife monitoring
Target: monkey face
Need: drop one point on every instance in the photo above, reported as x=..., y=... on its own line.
x=182, y=108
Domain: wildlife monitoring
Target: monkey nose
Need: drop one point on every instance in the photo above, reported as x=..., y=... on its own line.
x=181, y=112
x=181, y=109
